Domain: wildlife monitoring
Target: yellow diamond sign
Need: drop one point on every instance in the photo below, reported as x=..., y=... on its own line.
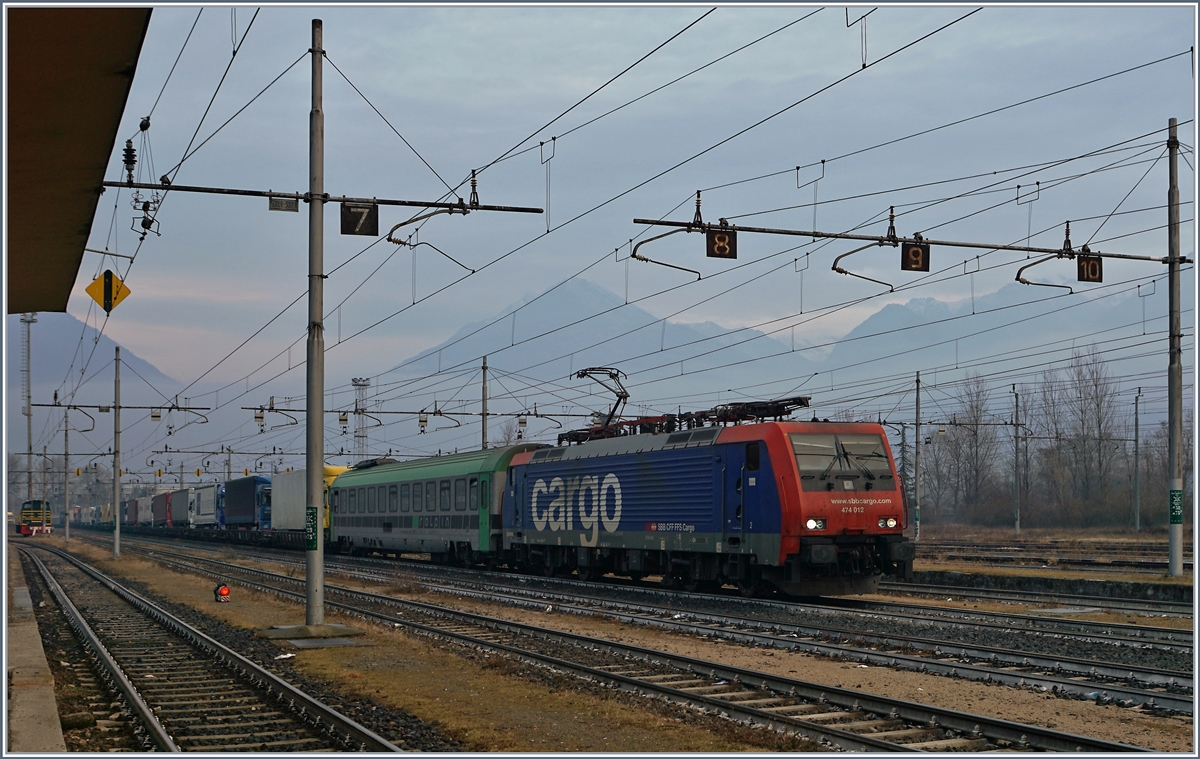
x=107, y=290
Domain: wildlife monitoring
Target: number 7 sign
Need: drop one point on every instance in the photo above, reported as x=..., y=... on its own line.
x=360, y=219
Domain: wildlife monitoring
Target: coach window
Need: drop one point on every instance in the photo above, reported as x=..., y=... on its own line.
x=370, y=500
x=405, y=499
x=417, y=495
x=444, y=496
x=431, y=496
x=393, y=498
x=333, y=501
x=381, y=495
x=752, y=457
x=460, y=495
x=473, y=493
x=351, y=501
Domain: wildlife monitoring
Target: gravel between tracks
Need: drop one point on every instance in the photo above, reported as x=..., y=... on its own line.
x=1110, y=722
x=529, y=722
x=462, y=700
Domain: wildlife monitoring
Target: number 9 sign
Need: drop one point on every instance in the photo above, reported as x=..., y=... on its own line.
x=914, y=256
x=722, y=243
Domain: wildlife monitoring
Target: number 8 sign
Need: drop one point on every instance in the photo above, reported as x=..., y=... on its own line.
x=722, y=243
x=914, y=256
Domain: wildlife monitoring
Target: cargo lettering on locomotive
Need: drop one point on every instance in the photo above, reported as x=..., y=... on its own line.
x=597, y=504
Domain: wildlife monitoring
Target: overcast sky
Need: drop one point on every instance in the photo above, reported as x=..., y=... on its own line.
x=464, y=85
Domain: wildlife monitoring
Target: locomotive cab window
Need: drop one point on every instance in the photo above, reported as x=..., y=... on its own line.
x=752, y=457
x=842, y=461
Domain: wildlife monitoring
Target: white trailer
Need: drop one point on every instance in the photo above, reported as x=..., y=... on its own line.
x=182, y=505
x=204, y=509
x=289, y=493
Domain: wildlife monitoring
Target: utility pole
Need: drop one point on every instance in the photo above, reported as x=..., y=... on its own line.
x=26, y=320
x=116, y=494
x=316, y=197
x=1137, y=467
x=46, y=511
x=917, y=469
x=485, y=442
x=1174, y=368
x=66, y=476
x=314, y=459
x=360, y=419
x=1016, y=459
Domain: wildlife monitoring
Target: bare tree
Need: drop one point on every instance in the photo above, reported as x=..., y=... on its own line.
x=507, y=433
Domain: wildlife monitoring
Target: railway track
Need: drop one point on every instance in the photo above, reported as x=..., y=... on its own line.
x=1106, y=603
x=181, y=689
x=1040, y=651
x=835, y=717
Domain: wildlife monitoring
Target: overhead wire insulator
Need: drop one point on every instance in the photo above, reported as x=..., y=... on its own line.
x=1067, y=240
x=474, y=202
x=129, y=155
x=891, y=233
x=697, y=220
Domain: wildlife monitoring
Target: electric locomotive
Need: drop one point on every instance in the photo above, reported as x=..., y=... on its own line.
x=810, y=508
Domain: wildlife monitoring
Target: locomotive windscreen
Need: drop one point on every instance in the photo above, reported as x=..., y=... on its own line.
x=842, y=461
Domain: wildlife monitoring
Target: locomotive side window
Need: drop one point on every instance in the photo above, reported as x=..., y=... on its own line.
x=351, y=501
x=405, y=499
x=393, y=498
x=444, y=501
x=460, y=495
x=752, y=457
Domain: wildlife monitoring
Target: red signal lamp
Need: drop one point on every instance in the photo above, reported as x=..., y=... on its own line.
x=221, y=593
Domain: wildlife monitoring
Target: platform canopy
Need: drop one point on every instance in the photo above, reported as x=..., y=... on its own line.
x=69, y=75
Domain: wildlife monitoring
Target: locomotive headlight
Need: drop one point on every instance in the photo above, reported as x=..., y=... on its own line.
x=815, y=524
x=888, y=523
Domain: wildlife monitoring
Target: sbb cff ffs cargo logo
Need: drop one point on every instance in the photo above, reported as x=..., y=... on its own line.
x=589, y=502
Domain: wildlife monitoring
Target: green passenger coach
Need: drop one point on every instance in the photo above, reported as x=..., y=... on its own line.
x=446, y=506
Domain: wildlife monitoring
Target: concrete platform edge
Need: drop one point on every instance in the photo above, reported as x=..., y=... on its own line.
x=33, y=724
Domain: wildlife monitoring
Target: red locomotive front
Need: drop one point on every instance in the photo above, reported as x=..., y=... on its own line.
x=843, y=510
